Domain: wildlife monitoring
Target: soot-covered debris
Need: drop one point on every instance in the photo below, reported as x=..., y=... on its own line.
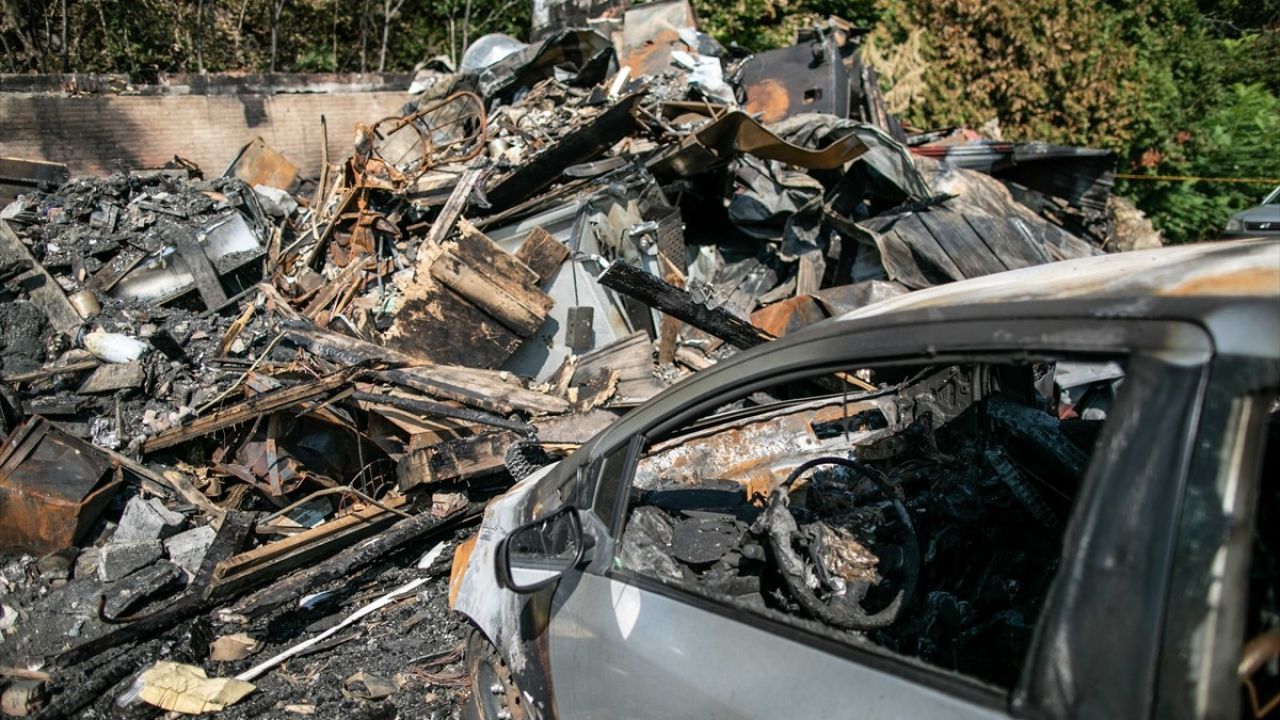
x=221, y=395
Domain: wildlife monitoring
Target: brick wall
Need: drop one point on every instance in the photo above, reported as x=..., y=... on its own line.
x=99, y=133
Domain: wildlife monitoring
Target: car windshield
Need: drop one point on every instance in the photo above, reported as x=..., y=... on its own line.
x=1273, y=198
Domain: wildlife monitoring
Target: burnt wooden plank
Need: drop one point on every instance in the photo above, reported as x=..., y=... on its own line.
x=631, y=358
x=40, y=286
x=474, y=387
x=114, y=376
x=657, y=293
x=428, y=408
x=454, y=206
x=488, y=257
x=522, y=309
x=440, y=325
x=256, y=406
x=278, y=558
x=51, y=370
x=542, y=253
x=478, y=388
x=289, y=589
x=457, y=459
x=114, y=269
x=577, y=428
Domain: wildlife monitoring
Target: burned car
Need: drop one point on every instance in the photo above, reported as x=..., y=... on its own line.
x=1032, y=494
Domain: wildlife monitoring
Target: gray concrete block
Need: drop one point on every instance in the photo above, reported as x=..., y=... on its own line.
x=117, y=560
x=145, y=520
x=187, y=549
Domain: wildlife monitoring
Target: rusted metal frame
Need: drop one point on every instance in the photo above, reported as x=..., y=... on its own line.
x=51, y=487
x=430, y=151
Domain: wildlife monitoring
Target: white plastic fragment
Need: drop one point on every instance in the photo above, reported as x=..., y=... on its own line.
x=429, y=557
x=257, y=670
x=114, y=347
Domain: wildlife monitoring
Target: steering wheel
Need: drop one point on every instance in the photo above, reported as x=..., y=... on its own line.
x=843, y=611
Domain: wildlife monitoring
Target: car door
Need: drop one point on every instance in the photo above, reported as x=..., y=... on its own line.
x=622, y=642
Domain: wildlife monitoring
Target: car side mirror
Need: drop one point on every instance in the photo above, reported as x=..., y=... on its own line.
x=535, y=555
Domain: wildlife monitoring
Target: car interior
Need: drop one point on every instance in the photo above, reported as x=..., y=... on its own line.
x=925, y=519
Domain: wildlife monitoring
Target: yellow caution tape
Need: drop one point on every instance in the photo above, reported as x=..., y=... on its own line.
x=1182, y=178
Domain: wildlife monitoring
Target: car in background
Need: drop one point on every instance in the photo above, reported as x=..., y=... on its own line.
x=1042, y=493
x=1262, y=220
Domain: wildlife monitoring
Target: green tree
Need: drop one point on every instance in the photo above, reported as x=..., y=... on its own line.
x=1172, y=86
x=1236, y=138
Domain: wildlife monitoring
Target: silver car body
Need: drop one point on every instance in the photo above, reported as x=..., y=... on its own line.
x=618, y=648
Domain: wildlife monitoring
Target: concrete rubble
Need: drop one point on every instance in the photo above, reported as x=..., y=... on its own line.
x=116, y=560
x=229, y=393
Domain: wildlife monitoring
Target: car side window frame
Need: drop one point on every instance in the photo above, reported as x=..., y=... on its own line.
x=606, y=496
x=1215, y=547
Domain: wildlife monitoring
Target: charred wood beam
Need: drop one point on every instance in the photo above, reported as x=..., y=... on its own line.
x=474, y=387
x=454, y=206
x=426, y=407
x=343, y=349
x=253, y=407
x=202, y=272
x=580, y=145
x=268, y=562
x=40, y=286
x=89, y=686
x=457, y=459
x=288, y=590
x=657, y=293
x=175, y=481
x=483, y=389
x=542, y=253
x=50, y=371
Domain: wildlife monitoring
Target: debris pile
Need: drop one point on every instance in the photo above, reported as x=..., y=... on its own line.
x=230, y=394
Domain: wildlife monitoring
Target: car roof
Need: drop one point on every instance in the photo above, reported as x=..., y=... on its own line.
x=1238, y=268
